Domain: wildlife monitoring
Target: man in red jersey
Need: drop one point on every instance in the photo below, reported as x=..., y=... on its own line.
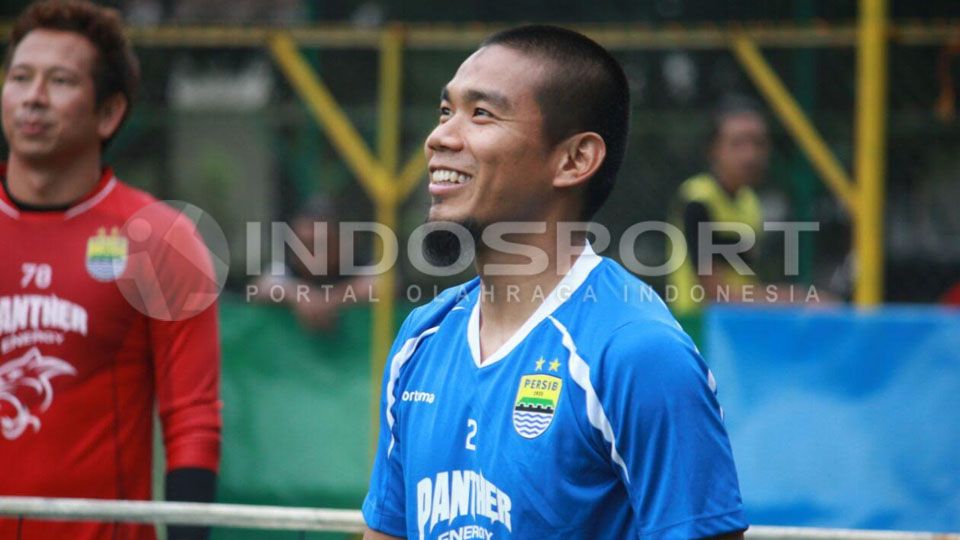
x=107, y=304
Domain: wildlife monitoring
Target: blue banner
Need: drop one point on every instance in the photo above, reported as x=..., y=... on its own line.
x=842, y=418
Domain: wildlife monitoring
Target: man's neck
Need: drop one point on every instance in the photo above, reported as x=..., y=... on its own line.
x=728, y=187
x=52, y=184
x=507, y=301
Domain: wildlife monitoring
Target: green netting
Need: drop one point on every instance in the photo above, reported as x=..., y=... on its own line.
x=296, y=411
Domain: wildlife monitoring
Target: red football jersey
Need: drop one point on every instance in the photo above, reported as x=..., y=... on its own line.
x=88, y=346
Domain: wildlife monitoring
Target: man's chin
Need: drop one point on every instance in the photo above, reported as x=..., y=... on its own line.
x=34, y=151
x=442, y=246
x=439, y=213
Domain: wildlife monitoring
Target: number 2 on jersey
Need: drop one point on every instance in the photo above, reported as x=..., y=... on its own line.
x=472, y=426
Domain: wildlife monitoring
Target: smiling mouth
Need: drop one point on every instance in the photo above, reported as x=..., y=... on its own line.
x=448, y=177
x=32, y=127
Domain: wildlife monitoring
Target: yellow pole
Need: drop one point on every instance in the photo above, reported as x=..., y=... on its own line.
x=330, y=116
x=796, y=122
x=870, y=159
x=388, y=146
x=383, y=316
x=412, y=174
x=388, y=132
x=385, y=185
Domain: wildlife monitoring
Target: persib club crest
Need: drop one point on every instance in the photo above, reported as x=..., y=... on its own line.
x=106, y=255
x=537, y=399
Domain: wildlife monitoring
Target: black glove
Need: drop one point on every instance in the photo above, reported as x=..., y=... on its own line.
x=190, y=485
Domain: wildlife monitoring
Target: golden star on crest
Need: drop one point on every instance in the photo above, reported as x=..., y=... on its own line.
x=555, y=365
x=540, y=364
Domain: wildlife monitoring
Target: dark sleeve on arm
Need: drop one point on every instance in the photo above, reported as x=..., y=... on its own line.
x=190, y=484
x=694, y=213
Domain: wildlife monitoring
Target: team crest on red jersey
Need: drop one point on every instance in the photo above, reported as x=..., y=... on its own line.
x=106, y=255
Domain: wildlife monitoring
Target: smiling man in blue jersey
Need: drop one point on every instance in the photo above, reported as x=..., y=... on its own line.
x=554, y=396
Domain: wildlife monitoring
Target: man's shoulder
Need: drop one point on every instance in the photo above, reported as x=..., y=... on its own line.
x=128, y=199
x=704, y=188
x=648, y=356
x=617, y=296
x=698, y=188
x=653, y=337
x=122, y=200
x=175, y=224
x=618, y=313
x=431, y=314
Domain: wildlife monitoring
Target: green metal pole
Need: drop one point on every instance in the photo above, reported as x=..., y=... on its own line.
x=804, y=183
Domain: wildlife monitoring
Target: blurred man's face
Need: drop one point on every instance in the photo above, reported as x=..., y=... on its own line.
x=49, y=99
x=741, y=150
x=487, y=158
x=311, y=233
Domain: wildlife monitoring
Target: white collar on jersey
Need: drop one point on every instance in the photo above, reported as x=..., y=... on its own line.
x=586, y=262
x=73, y=211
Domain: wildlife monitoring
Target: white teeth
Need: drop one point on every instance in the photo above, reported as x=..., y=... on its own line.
x=447, y=176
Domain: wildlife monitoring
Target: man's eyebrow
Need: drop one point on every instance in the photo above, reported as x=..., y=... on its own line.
x=472, y=95
x=47, y=69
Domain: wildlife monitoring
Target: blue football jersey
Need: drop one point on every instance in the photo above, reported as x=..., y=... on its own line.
x=598, y=419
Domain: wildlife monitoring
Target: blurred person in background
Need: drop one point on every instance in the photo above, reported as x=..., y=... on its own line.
x=82, y=365
x=318, y=294
x=738, y=154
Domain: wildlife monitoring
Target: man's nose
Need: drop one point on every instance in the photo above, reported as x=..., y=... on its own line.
x=37, y=94
x=445, y=137
x=755, y=152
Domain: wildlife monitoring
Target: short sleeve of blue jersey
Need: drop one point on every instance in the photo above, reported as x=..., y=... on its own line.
x=384, y=506
x=674, y=454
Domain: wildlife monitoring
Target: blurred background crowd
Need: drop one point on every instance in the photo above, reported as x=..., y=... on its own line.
x=219, y=125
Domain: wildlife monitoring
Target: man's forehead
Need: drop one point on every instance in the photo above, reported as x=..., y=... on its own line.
x=495, y=69
x=474, y=94
x=54, y=48
x=743, y=120
x=500, y=60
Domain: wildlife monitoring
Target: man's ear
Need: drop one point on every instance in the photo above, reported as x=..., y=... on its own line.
x=580, y=157
x=110, y=115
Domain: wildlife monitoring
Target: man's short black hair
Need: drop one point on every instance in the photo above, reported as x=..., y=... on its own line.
x=586, y=90
x=731, y=105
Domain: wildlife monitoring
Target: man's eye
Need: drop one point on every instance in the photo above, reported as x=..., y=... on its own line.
x=482, y=112
x=19, y=77
x=444, y=111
